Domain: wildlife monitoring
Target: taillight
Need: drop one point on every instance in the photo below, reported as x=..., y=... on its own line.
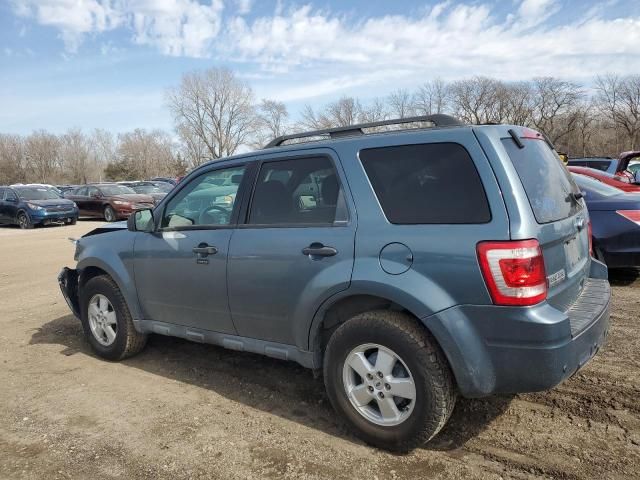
x=513, y=271
x=633, y=215
x=590, y=233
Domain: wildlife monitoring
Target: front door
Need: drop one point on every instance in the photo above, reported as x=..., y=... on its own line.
x=11, y=207
x=79, y=196
x=180, y=270
x=295, y=249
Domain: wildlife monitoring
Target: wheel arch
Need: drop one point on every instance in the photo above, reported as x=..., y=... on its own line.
x=91, y=267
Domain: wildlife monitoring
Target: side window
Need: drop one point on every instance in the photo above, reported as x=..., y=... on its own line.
x=427, y=184
x=207, y=200
x=2, y=190
x=11, y=195
x=81, y=192
x=303, y=191
x=91, y=191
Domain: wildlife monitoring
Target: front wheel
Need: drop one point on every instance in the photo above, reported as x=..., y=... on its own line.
x=109, y=214
x=387, y=377
x=24, y=222
x=106, y=320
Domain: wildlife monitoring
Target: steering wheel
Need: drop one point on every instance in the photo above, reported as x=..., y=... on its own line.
x=205, y=215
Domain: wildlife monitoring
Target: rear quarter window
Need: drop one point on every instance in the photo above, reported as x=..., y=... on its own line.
x=427, y=184
x=547, y=183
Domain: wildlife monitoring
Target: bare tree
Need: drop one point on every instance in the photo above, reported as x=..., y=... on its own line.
x=12, y=159
x=271, y=122
x=217, y=107
x=341, y=113
x=150, y=152
x=43, y=156
x=431, y=97
x=557, y=105
x=400, y=103
x=75, y=157
x=476, y=100
x=194, y=150
x=619, y=98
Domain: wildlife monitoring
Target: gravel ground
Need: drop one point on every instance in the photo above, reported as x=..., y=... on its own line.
x=186, y=410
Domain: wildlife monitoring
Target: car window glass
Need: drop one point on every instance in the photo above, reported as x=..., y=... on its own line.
x=302, y=191
x=81, y=191
x=207, y=200
x=11, y=195
x=2, y=190
x=91, y=191
x=427, y=184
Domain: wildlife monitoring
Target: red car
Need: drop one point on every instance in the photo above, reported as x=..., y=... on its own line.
x=609, y=179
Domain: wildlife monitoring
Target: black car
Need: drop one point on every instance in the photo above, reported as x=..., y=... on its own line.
x=27, y=206
x=615, y=222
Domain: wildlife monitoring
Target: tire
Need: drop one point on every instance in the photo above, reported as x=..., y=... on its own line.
x=73, y=221
x=126, y=341
x=421, y=360
x=109, y=214
x=24, y=222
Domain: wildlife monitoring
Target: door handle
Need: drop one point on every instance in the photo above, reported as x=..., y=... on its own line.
x=204, y=250
x=319, y=250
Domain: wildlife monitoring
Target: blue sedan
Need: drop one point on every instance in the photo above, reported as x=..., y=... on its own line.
x=615, y=222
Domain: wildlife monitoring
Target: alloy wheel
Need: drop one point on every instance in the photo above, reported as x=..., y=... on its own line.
x=102, y=320
x=379, y=385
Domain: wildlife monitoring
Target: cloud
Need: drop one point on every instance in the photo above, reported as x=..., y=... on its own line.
x=175, y=27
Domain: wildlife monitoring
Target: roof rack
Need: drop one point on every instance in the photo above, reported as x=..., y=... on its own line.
x=439, y=120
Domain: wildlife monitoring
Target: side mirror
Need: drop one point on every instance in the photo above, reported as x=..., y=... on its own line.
x=96, y=195
x=141, y=221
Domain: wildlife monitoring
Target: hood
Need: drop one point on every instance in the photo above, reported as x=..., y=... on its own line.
x=112, y=227
x=54, y=202
x=133, y=198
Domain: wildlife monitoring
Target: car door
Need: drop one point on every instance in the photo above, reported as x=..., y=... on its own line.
x=180, y=269
x=11, y=206
x=94, y=202
x=295, y=248
x=79, y=196
x=3, y=208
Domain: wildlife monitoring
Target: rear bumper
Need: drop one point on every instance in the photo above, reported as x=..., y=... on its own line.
x=68, y=282
x=515, y=350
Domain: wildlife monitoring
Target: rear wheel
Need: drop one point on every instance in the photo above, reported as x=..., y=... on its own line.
x=387, y=377
x=106, y=320
x=24, y=221
x=109, y=214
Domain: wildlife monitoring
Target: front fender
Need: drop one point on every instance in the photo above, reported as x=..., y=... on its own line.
x=113, y=253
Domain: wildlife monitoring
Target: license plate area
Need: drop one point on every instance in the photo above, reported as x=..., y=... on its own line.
x=573, y=253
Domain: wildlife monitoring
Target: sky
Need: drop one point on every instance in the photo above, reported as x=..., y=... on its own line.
x=108, y=63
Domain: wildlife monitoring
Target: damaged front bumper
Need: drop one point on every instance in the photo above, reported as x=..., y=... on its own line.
x=68, y=281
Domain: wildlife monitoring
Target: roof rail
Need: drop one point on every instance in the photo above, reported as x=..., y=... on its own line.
x=439, y=120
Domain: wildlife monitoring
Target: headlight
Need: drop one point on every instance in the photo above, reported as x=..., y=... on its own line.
x=120, y=202
x=74, y=205
x=33, y=206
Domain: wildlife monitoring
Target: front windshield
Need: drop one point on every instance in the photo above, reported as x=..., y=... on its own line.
x=595, y=186
x=116, y=190
x=37, y=193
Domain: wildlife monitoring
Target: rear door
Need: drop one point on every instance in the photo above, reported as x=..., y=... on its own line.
x=79, y=196
x=561, y=216
x=295, y=248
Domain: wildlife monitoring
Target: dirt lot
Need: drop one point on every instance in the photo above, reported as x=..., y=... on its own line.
x=185, y=410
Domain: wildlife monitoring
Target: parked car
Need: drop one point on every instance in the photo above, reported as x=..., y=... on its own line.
x=156, y=190
x=611, y=180
x=619, y=167
x=170, y=180
x=108, y=200
x=65, y=188
x=615, y=222
x=366, y=256
x=28, y=206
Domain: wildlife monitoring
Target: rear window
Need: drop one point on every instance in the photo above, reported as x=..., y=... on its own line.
x=426, y=184
x=546, y=181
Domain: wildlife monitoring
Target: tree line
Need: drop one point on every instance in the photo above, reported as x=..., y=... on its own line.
x=216, y=115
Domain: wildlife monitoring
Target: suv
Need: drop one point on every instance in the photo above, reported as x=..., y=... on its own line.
x=366, y=255
x=31, y=205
